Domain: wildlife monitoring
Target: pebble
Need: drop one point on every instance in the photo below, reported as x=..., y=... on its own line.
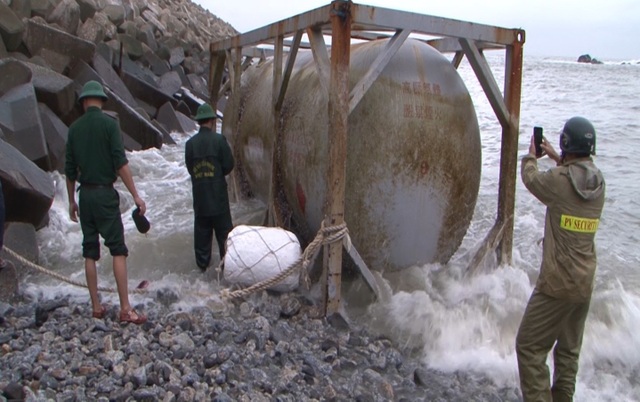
x=264, y=348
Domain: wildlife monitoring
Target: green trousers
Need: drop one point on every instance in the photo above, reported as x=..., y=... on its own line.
x=548, y=321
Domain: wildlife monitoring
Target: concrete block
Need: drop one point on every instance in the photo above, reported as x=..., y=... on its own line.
x=88, y=9
x=131, y=46
x=184, y=109
x=149, y=110
x=110, y=30
x=167, y=117
x=11, y=28
x=21, y=124
x=176, y=57
x=129, y=143
x=145, y=91
x=53, y=89
x=155, y=63
x=91, y=31
x=187, y=124
x=115, y=12
x=40, y=36
x=55, y=134
x=199, y=86
x=28, y=190
x=182, y=75
x=22, y=8
x=3, y=49
x=131, y=122
x=41, y=8
x=170, y=83
x=166, y=137
x=111, y=79
x=12, y=74
x=65, y=15
x=146, y=36
x=58, y=62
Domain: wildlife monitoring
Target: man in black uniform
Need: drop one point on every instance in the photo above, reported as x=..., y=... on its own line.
x=95, y=157
x=209, y=159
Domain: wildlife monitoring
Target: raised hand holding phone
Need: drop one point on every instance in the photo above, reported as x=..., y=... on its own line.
x=537, y=139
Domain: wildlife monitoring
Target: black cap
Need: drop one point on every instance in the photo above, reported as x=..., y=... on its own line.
x=142, y=224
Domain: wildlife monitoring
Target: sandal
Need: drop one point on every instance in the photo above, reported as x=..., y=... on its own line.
x=132, y=316
x=100, y=313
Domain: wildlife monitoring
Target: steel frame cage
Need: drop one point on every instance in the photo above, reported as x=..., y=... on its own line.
x=344, y=21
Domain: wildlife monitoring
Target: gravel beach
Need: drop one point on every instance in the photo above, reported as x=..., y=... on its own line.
x=268, y=347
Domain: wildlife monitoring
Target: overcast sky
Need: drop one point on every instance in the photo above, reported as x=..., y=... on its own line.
x=605, y=29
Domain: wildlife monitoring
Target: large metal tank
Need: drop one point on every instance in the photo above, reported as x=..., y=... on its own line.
x=414, y=154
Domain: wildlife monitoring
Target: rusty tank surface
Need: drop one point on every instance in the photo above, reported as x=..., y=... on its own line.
x=414, y=152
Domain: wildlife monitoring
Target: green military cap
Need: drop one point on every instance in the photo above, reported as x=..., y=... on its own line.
x=205, y=111
x=92, y=89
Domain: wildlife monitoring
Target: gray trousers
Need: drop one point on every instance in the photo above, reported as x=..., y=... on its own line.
x=548, y=321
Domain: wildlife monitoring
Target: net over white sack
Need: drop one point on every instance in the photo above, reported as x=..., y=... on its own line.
x=257, y=253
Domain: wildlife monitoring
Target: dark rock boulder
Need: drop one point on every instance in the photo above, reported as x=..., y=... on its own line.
x=586, y=58
x=28, y=190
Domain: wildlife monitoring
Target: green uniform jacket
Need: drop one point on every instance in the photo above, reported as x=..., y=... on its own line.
x=209, y=159
x=94, y=150
x=574, y=196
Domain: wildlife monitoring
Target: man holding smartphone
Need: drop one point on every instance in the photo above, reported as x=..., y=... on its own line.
x=557, y=310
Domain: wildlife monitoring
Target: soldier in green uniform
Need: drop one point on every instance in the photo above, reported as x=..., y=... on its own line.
x=557, y=310
x=209, y=159
x=95, y=158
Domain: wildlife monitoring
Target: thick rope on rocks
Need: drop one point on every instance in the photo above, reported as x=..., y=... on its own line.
x=61, y=277
x=325, y=235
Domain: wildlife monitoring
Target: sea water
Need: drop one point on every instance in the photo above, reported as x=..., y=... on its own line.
x=456, y=322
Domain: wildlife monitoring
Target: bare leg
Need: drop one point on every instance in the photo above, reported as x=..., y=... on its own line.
x=120, y=273
x=92, y=282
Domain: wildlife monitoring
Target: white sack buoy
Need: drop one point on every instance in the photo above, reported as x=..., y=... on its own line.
x=257, y=253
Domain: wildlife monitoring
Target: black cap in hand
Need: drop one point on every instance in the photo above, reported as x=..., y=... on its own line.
x=142, y=224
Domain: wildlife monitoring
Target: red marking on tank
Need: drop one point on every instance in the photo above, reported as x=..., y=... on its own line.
x=424, y=168
x=302, y=199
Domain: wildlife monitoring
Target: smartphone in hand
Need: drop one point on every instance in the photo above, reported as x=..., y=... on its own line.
x=537, y=140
